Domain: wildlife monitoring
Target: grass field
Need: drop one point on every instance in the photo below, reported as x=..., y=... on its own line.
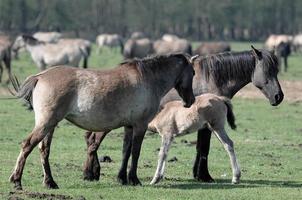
x=268, y=144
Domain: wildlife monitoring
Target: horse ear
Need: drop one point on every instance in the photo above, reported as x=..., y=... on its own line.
x=257, y=52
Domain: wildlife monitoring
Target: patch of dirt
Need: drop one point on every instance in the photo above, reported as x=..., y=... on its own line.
x=292, y=91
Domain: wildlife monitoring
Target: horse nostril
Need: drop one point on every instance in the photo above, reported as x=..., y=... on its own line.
x=277, y=97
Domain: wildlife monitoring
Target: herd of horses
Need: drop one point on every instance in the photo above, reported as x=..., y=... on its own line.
x=142, y=93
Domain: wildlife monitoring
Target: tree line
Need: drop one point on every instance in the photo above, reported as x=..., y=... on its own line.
x=193, y=19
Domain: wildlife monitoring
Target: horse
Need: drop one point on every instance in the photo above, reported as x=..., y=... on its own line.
x=138, y=48
x=297, y=43
x=49, y=37
x=274, y=40
x=223, y=74
x=97, y=100
x=5, y=54
x=207, y=48
x=84, y=45
x=173, y=46
x=169, y=37
x=283, y=50
x=49, y=54
x=109, y=40
x=209, y=111
x=138, y=35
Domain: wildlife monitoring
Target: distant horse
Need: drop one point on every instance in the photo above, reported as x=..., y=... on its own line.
x=49, y=37
x=207, y=48
x=209, y=111
x=96, y=100
x=49, y=54
x=224, y=75
x=84, y=45
x=138, y=35
x=5, y=54
x=297, y=43
x=109, y=40
x=138, y=48
x=275, y=40
x=172, y=46
x=169, y=37
x=283, y=50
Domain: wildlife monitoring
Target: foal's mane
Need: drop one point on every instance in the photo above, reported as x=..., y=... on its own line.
x=227, y=66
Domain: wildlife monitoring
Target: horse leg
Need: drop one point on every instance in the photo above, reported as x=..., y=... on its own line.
x=37, y=135
x=165, y=146
x=137, y=140
x=122, y=175
x=200, y=169
x=285, y=63
x=44, y=147
x=229, y=147
x=92, y=166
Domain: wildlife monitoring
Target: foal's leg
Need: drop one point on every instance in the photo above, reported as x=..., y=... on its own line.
x=38, y=133
x=1, y=71
x=92, y=165
x=137, y=140
x=200, y=169
x=127, y=145
x=165, y=146
x=229, y=147
x=44, y=147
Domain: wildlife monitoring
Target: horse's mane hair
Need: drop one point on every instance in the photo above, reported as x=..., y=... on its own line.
x=153, y=64
x=235, y=65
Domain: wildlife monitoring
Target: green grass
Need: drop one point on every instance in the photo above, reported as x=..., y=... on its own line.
x=267, y=144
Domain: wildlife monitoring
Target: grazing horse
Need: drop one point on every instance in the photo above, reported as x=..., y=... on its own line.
x=51, y=54
x=176, y=45
x=96, y=100
x=109, y=40
x=49, y=37
x=5, y=54
x=209, y=111
x=274, y=40
x=207, y=48
x=138, y=48
x=224, y=75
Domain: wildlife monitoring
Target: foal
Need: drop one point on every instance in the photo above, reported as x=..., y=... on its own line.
x=208, y=111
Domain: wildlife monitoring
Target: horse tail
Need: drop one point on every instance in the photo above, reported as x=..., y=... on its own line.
x=25, y=90
x=230, y=114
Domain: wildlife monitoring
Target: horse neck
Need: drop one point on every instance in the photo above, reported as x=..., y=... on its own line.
x=164, y=80
x=232, y=84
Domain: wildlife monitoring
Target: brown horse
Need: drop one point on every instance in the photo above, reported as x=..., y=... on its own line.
x=95, y=100
x=222, y=74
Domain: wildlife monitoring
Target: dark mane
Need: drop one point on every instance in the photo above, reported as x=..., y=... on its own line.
x=153, y=64
x=227, y=66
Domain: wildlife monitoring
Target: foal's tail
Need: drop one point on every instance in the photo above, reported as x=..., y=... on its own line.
x=86, y=53
x=230, y=114
x=25, y=90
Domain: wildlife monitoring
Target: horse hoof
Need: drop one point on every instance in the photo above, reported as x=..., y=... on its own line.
x=205, y=179
x=134, y=181
x=122, y=180
x=235, y=181
x=51, y=185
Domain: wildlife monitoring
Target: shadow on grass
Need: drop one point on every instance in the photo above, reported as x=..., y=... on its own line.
x=189, y=184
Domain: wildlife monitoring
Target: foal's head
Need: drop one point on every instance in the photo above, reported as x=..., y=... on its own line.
x=183, y=83
x=265, y=76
